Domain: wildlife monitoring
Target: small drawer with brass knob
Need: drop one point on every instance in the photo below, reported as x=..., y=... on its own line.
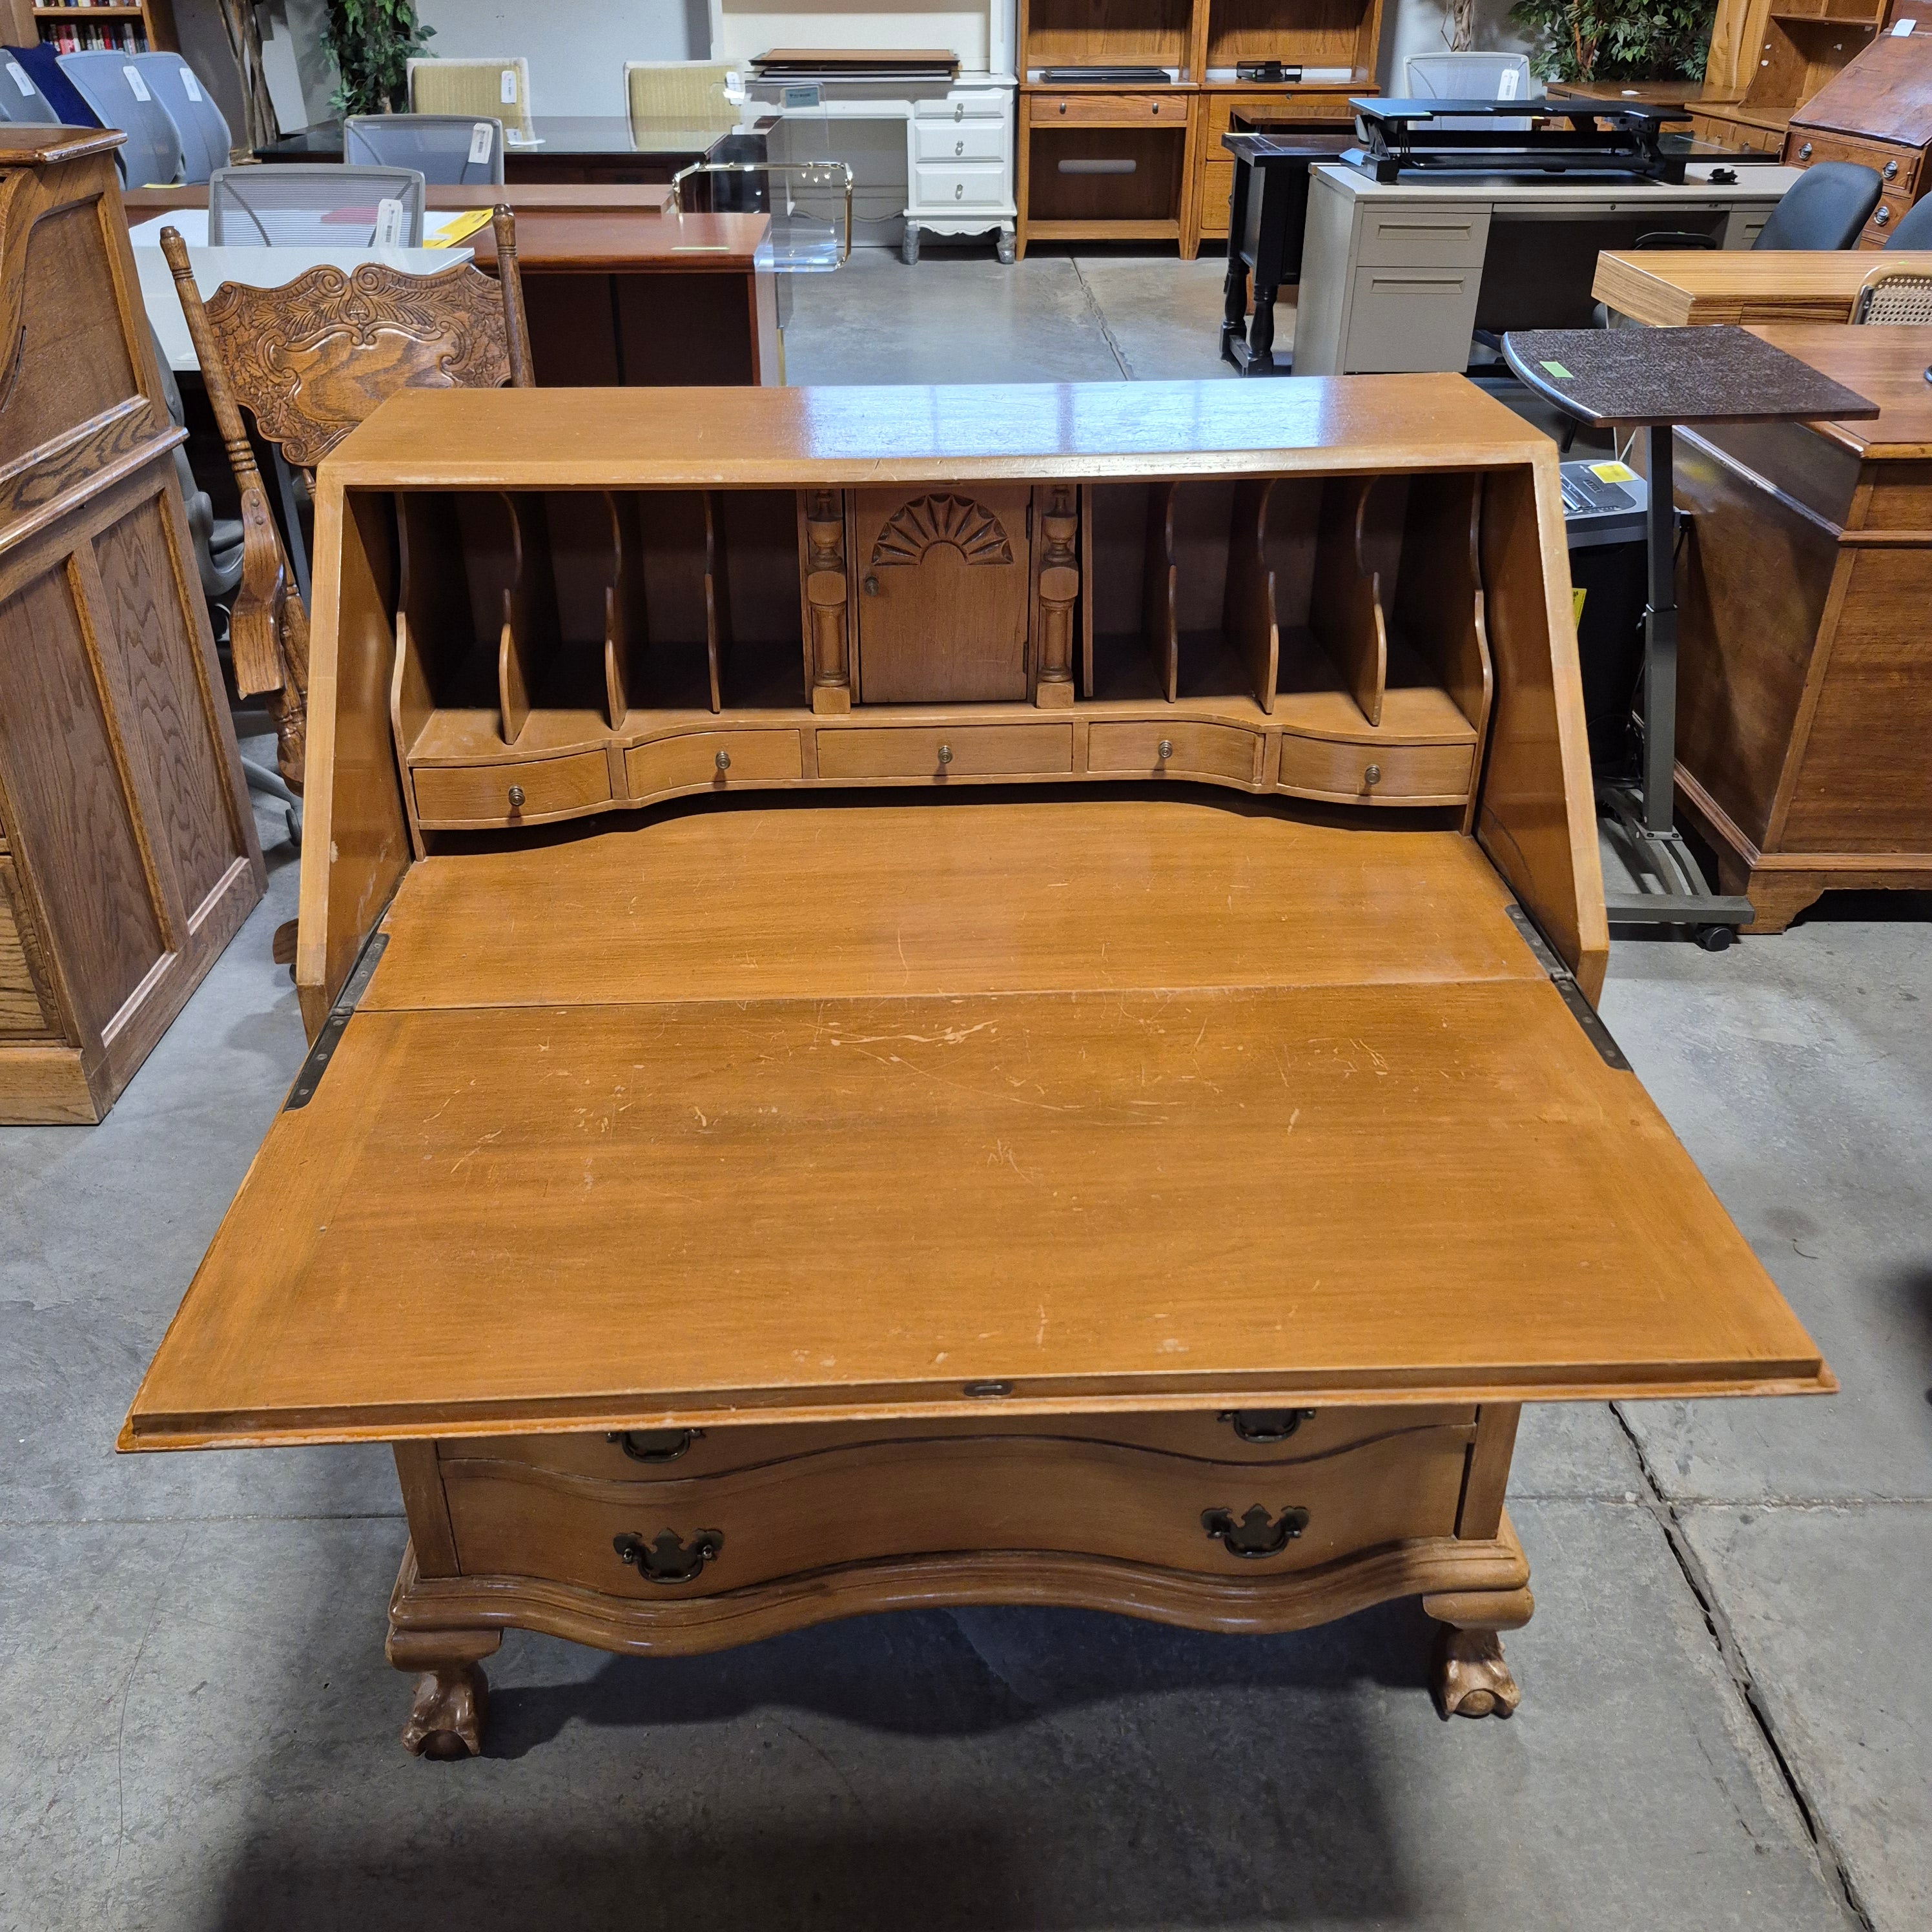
x=529, y=792
x=1326, y=768
x=717, y=759
x=943, y=754
x=1175, y=750
x=1109, y=110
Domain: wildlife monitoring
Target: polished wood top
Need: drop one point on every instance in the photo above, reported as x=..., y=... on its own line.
x=633, y=242
x=1886, y=364
x=1672, y=288
x=816, y=1189
x=626, y=439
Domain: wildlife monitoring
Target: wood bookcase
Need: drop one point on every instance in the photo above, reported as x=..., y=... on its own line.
x=154, y=20
x=1180, y=177
x=1080, y=1089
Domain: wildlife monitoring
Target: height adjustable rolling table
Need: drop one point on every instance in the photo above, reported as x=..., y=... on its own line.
x=1656, y=379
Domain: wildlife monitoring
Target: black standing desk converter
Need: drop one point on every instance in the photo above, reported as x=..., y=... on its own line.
x=1266, y=216
x=1654, y=379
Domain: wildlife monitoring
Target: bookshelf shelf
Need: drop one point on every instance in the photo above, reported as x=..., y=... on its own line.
x=150, y=23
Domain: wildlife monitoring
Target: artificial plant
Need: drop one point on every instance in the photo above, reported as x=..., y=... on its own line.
x=1617, y=40
x=373, y=41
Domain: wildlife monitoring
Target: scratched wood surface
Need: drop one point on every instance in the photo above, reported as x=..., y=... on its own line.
x=773, y=1193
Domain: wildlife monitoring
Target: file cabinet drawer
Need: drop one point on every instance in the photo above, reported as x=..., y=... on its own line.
x=1424, y=237
x=1409, y=319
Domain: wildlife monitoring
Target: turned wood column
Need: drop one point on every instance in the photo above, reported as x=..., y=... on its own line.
x=827, y=606
x=1057, y=591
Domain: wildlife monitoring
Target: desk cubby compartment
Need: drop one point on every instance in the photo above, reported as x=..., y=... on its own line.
x=1078, y=33
x=1098, y=179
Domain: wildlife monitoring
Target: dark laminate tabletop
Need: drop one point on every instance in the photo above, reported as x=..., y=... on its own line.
x=1715, y=374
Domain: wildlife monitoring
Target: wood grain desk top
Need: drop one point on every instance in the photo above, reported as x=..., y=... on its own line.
x=1670, y=288
x=832, y=1180
x=531, y=439
x=629, y=243
x=1887, y=364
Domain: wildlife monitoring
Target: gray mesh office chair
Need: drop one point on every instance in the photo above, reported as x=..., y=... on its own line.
x=444, y=149
x=119, y=93
x=1470, y=77
x=21, y=100
x=311, y=205
x=206, y=142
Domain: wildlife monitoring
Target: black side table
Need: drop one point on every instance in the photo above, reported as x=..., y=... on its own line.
x=1656, y=379
x=1266, y=218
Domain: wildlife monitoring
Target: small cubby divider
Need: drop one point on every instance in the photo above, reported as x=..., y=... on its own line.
x=1438, y=622
x=1357, y=549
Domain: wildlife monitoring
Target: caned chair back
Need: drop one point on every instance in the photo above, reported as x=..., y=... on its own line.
x=685, y=94
x=449, y=150
x=473, y=88
x=1894, y=295
x=306, y=205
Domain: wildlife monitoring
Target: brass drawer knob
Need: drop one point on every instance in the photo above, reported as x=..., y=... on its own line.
x=1165, y=749
x=1063, y=107
x=1254, y=1534
x=1372, y=777
x=946, y=754
x=1805, y=152
x=666, y=1558
x=1883, y=215
x=516, y=798
x=1891, y=170
x=723, y=761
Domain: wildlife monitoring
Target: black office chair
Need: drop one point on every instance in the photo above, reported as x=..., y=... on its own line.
x=1824, y=208
x=1915, y=230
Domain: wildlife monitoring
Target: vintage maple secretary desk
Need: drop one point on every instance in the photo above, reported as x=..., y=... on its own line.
x=950, y=996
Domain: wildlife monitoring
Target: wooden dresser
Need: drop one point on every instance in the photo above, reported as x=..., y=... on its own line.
x=1804, y=688
x=128, y=849
x=951, y=996
x=1878, y=113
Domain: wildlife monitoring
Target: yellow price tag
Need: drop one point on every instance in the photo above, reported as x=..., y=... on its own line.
x=1576, y=605
x=1613, y=472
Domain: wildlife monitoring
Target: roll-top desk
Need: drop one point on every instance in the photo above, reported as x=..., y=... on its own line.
x=947, y=996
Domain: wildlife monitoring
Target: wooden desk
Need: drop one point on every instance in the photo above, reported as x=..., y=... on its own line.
x=1677, y=288
x=570, y=148
x=619, y=292
x=767, y=1208
x=1805, y=701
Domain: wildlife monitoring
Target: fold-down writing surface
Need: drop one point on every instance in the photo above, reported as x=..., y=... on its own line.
x=576, y=1217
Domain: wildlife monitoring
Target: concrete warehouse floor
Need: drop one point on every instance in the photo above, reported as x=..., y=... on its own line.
x=1727, y=1715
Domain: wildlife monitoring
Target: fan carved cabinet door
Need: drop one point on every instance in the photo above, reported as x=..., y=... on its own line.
x=943, y=588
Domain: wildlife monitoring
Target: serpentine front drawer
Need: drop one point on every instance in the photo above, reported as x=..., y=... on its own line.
x=522, y=793
x=946, y=752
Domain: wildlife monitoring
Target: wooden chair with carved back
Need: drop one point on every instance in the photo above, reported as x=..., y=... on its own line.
x=309, y=361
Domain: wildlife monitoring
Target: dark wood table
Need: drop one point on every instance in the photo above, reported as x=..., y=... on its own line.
x=568, y=148
x=1266, y=216
x=1655, y=379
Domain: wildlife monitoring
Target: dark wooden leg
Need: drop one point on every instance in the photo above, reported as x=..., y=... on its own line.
x=1260, y=330
x=452, y=1695
x=1466, y=1670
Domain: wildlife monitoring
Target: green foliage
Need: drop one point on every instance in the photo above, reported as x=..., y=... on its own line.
x=373, y=41
x=1618, y=40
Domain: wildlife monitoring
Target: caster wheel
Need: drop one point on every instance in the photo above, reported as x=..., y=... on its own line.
x=1715, y=938
x=1004, y=246
x=909, y=248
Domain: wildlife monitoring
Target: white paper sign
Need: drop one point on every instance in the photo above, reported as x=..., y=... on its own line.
x=20, y=79
x=1900, y=28
x=510, y=87
x=479, y=141
x=193, y=85
x=134, y=81
x=388, y=224
x=1506, y=84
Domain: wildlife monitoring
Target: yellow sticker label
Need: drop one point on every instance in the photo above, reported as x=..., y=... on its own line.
x=1613, y=472
x=1576, y=602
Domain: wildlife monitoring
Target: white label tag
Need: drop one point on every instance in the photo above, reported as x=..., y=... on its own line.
x=1900, y=28
x=1506, y=84
x=388, y=224
x=479, y=141
x=193, y=85
x=20, y=79
x=510, y=87
x=136, y=83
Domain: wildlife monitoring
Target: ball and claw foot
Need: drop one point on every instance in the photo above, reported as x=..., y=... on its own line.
x=1468, y=1675
x=446, y=1718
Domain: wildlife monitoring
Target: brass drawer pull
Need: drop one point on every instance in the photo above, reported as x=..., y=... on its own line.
x=723, y=761
x=664, y=1559
x=1265, y=1425
x=1805, y=152
x=946, y=754
x=516, y=798
x=1883, y=215
x=1253, y=1535
x=654, y=1445
x=1164, y=750
x=1891, y=170
x=1371, y=776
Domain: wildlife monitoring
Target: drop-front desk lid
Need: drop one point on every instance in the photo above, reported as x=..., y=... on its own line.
x=834, y=1112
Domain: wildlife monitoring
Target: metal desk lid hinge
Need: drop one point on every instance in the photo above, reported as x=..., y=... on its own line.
x=1565, y=981
x=339, y=1015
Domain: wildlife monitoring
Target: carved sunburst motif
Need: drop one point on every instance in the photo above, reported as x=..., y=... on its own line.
x=970, y=527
